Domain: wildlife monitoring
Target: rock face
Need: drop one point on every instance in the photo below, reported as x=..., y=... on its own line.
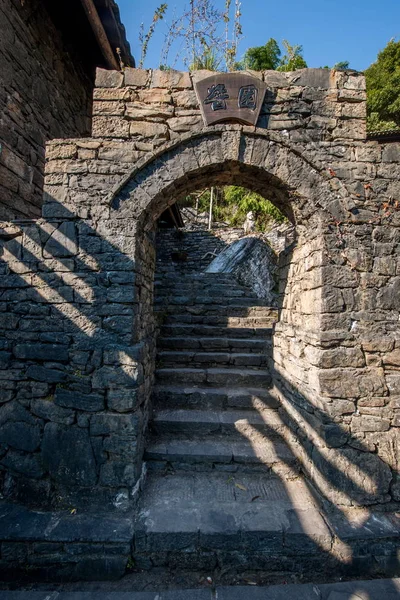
x=252, y=263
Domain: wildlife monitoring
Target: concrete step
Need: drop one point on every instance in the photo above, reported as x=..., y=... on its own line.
x=246, y=345
x=262, y=321
x=170, y=358
x=214, y=331
x=221, y=453
x=169, y=396
x=263, y=522
x=250, y=424
x=214, y=377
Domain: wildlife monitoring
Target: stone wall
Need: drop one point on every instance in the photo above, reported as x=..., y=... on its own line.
x=76, y=363
x=77, y=304
x=45, y=93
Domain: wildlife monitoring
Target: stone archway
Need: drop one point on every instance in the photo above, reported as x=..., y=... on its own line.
x=312, y=304
x=88, y=265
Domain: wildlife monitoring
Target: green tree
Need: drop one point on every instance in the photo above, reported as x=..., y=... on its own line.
x=262, y=58
x=293, y=59
x=268, y=57
x=342, y=65
x=383, y=89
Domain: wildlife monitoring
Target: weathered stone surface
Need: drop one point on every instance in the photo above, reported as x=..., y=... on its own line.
x=251, y=262
x=68, y=456
x=62, y=243
x=21, y=436
x=46, y=409
x=53, y=352
x=136, y=77
x=350, y=383
x=148, y=129
x=71, y=399
x=107, y=424
x=117, y=473
x=356, y=477
x=170, y=79
x=122, y=400
x=29, y=465
x=108, y=79
x=45, y=374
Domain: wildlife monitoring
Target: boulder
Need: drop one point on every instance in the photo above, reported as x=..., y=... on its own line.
x=252, y=262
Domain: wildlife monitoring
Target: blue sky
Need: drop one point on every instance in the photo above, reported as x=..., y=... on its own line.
x=329, y=30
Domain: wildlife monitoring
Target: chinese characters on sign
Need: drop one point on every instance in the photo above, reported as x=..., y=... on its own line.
x=248, y=97
x=217, y=95
x=233, y=97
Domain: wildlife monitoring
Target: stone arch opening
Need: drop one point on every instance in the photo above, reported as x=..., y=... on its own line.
x=302, y=191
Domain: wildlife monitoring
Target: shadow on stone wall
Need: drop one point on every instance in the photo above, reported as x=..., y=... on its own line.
x=77, y=367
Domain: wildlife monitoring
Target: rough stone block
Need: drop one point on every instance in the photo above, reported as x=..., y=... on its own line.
x=62, y=243
x=110, y=127
x=21, y=436
x=108, y=424
x=136, y=77
x=108, y=79
x=117, y=473
x=67, y=454
x=122, y=400
x=53, y=352
x=71, y=399
x=170, y=79
x=148, y=129
x=46, y=409
x=29, y=465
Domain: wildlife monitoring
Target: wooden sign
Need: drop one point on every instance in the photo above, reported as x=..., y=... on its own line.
x=234, y=97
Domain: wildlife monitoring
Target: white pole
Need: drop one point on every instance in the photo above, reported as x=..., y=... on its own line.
x=211, y=208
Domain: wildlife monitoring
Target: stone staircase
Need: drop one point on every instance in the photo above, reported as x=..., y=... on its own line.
x=223, y=487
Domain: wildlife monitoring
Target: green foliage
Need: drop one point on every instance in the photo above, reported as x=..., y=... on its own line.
x=342, y=66
x=293, y=59
x=239, y=202
x=207, y=60
x=268, y=57
x=383, y=89
x=262, y=58
x=231, y=205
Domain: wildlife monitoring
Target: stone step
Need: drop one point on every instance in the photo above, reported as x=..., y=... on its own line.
x=214, y=377
x=170, y=358
x=198, y=305
x=227, y=344
x=237, y=308
x=169, y=396
x=250, y=521
x=218, y=319
x=221, y=453
x=250, y=424
x=219, y=277
x=189, y=330
x=215, y=290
